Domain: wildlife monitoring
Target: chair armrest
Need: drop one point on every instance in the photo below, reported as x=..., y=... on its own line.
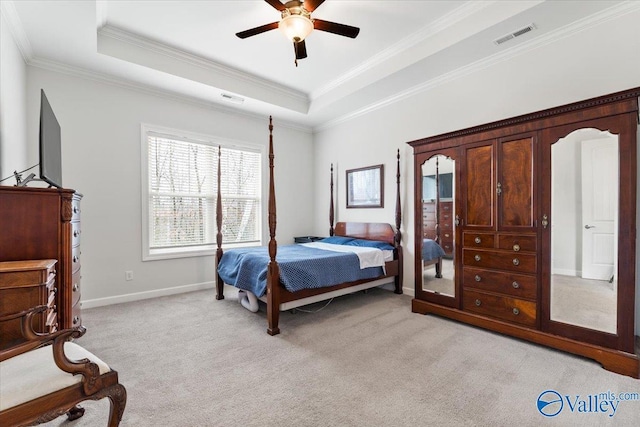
x=89, y=370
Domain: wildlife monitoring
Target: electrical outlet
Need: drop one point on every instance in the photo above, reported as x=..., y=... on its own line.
x=128, y=275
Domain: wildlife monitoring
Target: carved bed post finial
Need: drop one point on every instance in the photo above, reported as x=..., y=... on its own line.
x=219, y=282
x=273, y=275
x=331, y=205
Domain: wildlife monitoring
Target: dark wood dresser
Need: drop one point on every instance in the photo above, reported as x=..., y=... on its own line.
x=44, y=223
x=23, y=285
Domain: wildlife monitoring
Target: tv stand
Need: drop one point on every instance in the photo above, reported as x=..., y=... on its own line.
x=23, y=183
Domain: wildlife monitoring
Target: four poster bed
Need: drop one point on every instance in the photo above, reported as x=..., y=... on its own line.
x=356, y=256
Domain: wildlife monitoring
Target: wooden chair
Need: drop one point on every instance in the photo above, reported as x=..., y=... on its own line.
x=47, y=376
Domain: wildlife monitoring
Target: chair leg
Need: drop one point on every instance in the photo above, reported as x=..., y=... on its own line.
x=75, y=413
x=117, y=395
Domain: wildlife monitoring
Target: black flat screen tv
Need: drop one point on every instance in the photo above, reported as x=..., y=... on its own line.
x=50, y=144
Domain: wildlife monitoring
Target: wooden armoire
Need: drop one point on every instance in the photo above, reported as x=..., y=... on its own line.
x=544, y=230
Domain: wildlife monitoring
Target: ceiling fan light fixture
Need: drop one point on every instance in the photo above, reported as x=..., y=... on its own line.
x=296, y=27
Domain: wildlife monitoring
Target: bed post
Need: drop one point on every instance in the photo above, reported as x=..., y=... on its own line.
x=219, y=282
x=331, y=205
x=273, y=273
x=398, y=235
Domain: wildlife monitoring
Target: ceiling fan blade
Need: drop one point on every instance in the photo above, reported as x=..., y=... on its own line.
x=335, y=28
x=254, y=31
x=301, y=49
x=312, y=5
x=276, y=4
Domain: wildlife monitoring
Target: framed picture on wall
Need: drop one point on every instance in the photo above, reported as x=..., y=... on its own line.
x=365, y=187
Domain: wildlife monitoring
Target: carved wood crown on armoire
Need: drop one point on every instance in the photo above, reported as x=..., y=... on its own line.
x=44, y=224
x=544, y=228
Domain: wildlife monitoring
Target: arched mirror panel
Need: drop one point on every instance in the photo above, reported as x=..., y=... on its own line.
x=587, y=258
x=435, y=266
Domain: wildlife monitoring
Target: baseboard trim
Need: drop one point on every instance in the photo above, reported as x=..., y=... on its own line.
x=99, y=302
x=411, y=291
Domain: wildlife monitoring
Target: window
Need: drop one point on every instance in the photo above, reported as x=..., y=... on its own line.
x=180, y=189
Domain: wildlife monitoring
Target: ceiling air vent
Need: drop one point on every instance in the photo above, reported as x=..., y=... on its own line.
x=515, y=34
x=233, y=98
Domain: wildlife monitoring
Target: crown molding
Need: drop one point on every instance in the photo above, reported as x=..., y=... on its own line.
x=444, y=22
x=198, y=61
x=8, y=11
x=543, y=40
x=154, y=91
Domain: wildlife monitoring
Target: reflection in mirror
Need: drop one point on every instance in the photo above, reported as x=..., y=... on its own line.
x=438, y=184
x=584, y=230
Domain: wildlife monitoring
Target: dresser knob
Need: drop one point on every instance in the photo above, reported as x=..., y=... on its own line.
x=516, y=247
x=55, y=290
x=478, y=302
x=515, y=285
x=76, y=233
x=516, y=311
x=477, y=240
x=75, y=209
x=477, y=257
x=447, y=235
x=76, y=320
x=75, y=258
x=76, y=287
x=516, y=261
x=477, y=278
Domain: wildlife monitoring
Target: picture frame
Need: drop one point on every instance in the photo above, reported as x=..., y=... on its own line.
x=365, y=187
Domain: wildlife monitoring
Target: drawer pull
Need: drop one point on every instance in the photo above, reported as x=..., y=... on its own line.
x=516, y=311
x=477, y=257
x=76, y=320
x=76, y=233
x=477, y=240
x=75, y=258
x=516, y=261
x=447, y=235
x=515, y=285
x=55, y=290
x=75, y=209
x=478, y=302
x=478, y=278
x=516, y=247
x=76, y=287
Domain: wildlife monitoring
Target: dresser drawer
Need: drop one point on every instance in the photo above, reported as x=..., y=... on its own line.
x=75, y=288
x=478, y=240
x=506, y=308
x=75, y=234
x=517, y=242
x=75, y=209
x=517, y=285
x=75, y=259
x=446, y=207
x=428, y=207
x=499, y=260
x=76, y=318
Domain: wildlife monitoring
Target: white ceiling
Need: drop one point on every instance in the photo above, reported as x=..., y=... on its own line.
x=189, y=49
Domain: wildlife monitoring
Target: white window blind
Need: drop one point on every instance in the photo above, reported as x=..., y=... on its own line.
x=182, y=178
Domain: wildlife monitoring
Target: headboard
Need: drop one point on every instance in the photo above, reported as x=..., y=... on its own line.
x=366, y=230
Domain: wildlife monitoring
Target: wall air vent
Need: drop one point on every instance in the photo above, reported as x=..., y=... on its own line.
x=515, y=34
x=232, y=98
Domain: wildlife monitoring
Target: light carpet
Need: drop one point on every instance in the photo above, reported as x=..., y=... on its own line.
x=364, y=360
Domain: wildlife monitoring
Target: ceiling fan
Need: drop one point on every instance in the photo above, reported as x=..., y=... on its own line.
x=297, y=24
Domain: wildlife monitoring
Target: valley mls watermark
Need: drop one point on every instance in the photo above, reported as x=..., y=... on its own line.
x=551, y=403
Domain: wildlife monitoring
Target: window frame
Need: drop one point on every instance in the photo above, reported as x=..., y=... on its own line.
x=149, y=254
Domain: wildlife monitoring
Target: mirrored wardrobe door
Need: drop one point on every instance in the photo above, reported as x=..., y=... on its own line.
x=436, y=242
x=582, y=217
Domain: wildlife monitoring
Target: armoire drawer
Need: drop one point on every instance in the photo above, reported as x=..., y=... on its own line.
x=75, y=233
x=478, y=240
x=517, y=285
x=506, y=308
x=499, y=260
x=517, y=242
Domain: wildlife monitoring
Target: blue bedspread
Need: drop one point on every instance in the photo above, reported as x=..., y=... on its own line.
x=431, y=250
x=301, y=267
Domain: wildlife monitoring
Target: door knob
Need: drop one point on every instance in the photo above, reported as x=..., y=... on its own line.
x=589, y=226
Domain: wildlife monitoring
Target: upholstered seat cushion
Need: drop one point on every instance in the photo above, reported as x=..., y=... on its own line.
x=35, y=374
